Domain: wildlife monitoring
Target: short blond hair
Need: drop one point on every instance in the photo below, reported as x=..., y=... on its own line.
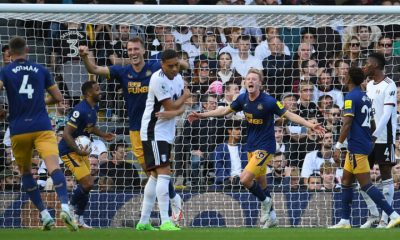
x=258, y=72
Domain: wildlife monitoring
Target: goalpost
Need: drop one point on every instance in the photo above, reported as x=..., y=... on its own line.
x=206, y=204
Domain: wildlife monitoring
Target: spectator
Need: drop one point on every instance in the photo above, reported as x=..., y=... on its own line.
x=225, y=73
x=328, y=175
x=118, y=55
x=65, y=58
x=9, y=180
x=244, y=60
x=124, y=174
x=201, y=137
x=278, y=179
x=99, y=150
x=309, y=71
x=210, y=50
x=306, y=107
x=194, y=48
x=304, y=52
x=314, y=160
x=277, y=69
x=396, y=176
x=156, y=36
x=281, y=145
x=325, y=102
x=333, y=121
x=325, y=87
x=230, y=157
x=60, y=116
x=364, y=33
x=106, y=184
x=295, y=179
x=263, y=50
x=70, y=180
x=352, y=52
x=6, y=56
x=233, y=34
x=182, y=34
x=202, y=77
x=341, y=74
x=392, y=66
x=375, y=174
x=315, y=182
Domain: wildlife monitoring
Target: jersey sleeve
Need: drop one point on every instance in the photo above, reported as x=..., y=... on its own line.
x=160, y=88
x=237, y=104
x=391, y=95
x=77, y=118
x=115, y=71
x=49, y=81
x=278, y=108
x=349, y=106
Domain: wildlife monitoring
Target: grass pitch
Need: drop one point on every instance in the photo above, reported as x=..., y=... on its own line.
x=204, y=234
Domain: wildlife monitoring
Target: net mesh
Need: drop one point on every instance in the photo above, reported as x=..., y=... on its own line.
x=290, y=50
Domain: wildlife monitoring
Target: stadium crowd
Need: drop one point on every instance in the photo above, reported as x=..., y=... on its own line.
x=303, y=68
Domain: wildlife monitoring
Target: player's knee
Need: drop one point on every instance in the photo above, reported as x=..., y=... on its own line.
x=87, y=183
x=245, y=180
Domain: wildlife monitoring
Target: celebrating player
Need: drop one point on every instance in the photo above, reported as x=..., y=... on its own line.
x=157, y=134
x=357, y=129
x=134, y=79
x=259, y=109
x=30, y=126
x=383, y=93
x=82, y=122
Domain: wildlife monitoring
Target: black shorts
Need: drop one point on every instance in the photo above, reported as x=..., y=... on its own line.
x=382, y=154
x=156, y=154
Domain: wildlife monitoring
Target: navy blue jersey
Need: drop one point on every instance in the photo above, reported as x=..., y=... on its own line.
x=26, y=83
x=358, y=105
x=260, y=118
x=83, y=118
x=135, y=86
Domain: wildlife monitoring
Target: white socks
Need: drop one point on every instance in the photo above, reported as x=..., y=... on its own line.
x=388, y=192
x=149, y=199
x=162, y=191
x=370, y=204
x=45, y=214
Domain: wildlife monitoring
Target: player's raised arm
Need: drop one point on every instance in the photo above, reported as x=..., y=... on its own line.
x=219, y=112
x=91, y=67
x=297, y=119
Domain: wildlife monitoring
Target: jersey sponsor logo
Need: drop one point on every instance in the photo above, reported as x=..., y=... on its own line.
x=137, y=88
x=280, y=106
x=251, y=120
x=348, y=104
x=260, y=106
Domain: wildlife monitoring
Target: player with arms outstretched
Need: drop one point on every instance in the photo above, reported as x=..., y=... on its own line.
x=82, y=122
x=357, y=129
x=383, y=92
x=26, y=83
x=259, y=109
x=134, y=79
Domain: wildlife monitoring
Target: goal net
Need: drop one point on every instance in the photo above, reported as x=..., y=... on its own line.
x=304, y=54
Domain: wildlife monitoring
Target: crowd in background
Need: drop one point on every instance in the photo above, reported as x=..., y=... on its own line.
x=303, y=68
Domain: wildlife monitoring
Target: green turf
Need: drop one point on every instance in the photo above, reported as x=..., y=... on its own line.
x=205, y=234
